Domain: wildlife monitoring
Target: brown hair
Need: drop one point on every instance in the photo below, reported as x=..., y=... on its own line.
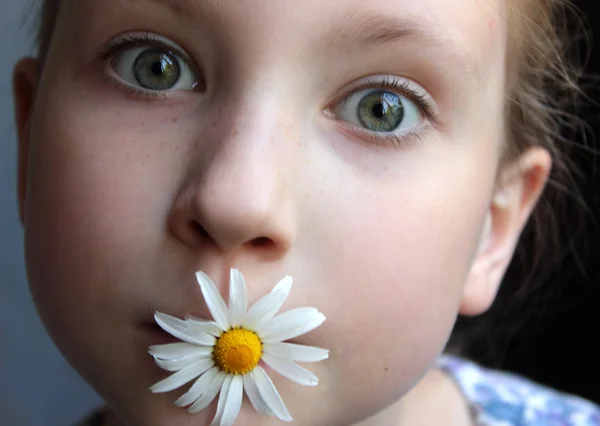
x=542, y=90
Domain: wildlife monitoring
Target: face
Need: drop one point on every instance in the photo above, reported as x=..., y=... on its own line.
x=353, y=145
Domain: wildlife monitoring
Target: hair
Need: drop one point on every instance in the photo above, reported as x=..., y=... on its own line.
x=542, y=95
x=543, y=101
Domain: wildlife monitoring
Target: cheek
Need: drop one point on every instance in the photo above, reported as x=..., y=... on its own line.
x=98, y=195
x=397, y=252
x=99, y=191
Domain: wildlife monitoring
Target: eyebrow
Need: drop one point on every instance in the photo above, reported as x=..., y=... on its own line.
x=187, y=8
x=363, y=29
x=181, y=7
x=373, y=30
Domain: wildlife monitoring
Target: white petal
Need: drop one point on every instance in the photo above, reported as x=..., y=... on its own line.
x=265, y=309
x=223, y=396
x=291, y=371
x=178, y=364
x=181, y=330
x=234, y=401
x=237, y=298
x=180, y=378
x=213, y=300
x=173, y=351
x=285, y=285
x=197, y=388
x=269, y=394
x=202, y=326
x=290, y=324
x=295, y=352
x=254, y=396
x=209, y=394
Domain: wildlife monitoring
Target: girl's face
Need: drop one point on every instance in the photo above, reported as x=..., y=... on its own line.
x=353, y=145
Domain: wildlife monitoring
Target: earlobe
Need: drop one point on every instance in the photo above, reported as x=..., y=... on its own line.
x=25, y=84
x=489, y=264
x=517, y=193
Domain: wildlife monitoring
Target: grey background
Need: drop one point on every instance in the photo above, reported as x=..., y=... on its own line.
x=37, y=387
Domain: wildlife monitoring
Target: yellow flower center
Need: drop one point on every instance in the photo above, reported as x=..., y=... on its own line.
x=237, y=351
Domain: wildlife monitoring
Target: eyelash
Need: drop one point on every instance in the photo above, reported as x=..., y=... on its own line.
x=399, y=86
x=141, y=40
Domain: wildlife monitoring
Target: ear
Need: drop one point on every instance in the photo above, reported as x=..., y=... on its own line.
x=519, y=188
x=25, y=83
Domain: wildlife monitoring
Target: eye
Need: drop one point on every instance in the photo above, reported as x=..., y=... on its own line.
x=152, y=68
x=385, y=109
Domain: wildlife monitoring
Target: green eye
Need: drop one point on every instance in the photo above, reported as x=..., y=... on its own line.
x=384, y=110
x=380, y=111
x=153, y=69
x=156, y=70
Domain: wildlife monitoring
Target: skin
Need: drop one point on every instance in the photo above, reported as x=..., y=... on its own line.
x=123, y=198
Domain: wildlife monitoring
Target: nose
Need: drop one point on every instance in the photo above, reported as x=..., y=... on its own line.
x=237, y=195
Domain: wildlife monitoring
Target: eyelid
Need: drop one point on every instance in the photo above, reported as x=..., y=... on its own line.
x=141, y=39
x=401, y=86
x=145, y=39
x=395, y=84
x=408, y=140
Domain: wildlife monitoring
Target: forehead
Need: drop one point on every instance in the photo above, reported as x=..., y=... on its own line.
x=469, y=28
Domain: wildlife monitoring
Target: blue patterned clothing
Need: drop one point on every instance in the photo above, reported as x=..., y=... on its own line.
x=503, y=399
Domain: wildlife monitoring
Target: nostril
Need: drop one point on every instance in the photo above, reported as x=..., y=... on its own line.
x=198, y=229
x=261, y=242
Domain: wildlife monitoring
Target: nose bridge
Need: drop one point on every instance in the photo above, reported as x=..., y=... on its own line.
x=242, y=194
x=248, y=156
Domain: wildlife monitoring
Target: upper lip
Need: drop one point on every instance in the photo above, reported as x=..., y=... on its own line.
x=184, y=283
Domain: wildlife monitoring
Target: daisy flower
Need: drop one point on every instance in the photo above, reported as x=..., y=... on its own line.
x=223, y=355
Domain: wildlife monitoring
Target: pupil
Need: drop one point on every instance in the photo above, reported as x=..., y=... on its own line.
x=379, y=111
x=158, y=69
